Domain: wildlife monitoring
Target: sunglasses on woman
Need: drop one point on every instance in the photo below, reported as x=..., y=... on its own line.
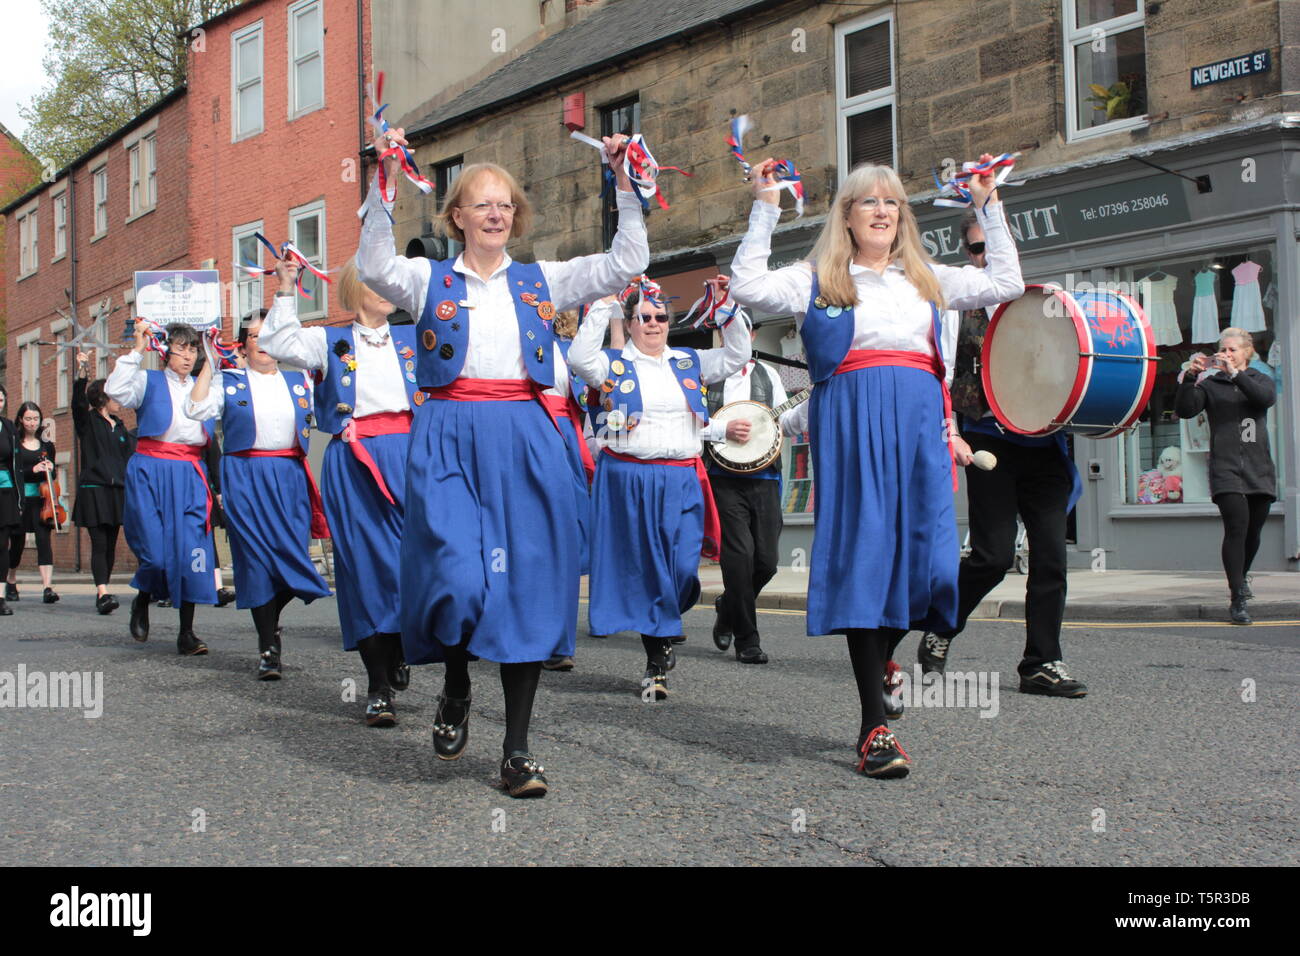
x=976, y=248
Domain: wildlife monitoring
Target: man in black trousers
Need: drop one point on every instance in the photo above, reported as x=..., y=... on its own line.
x=749, y=509
x=1036, y=477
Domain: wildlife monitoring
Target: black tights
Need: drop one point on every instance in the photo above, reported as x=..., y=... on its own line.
x=103, y=551
x=267, y=618
x=380, y=653
x=870, y=651
x=1243, y=520
x=186, y=611
x=656, y=650
x=518, y=684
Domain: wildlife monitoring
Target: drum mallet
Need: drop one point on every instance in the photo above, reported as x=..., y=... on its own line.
x=984, y=460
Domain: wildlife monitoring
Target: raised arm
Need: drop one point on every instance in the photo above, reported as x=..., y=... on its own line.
x=207, y=397
x=970, y=288
x=716, y=365
x=778, y=291
x=580, y=280
x=283, y=337
x=586, y=359
x=127, y=382
x=80, y=407
x=403, y=282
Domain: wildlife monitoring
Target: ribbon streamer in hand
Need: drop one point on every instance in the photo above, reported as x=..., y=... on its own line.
x=221, y=354
x=784, y=170
x=287, y=249
x=649, y=290
x=405, y=158
x=640, y=167
x=156, y=340
x=715, y=309
x=956, y=192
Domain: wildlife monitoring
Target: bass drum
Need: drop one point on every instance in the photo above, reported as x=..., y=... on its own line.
x=1085, y=363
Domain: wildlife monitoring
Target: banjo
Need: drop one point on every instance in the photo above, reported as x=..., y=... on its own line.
x=764, y=444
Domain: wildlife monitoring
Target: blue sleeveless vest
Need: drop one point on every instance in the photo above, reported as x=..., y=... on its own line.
x=827, y=334
x=336, y=393
x=154, y=416
x=443, y=329
x=618, y=402
x=238, y=422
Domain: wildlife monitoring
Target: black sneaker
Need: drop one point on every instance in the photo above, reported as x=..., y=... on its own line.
x=654, y=684
x=268, y=667
x=1051, y=679
x=893, y=683
x=521, y=776
x=722, y=636
x=932, y=653
x=1237, y=610
x=106, y=604
x=882, y=755
x=50, y=596
x=750, y=654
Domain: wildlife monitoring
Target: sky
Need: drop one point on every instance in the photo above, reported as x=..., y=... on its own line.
x=22, y=46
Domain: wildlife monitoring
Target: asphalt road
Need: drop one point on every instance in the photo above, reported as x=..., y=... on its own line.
x=195, y=762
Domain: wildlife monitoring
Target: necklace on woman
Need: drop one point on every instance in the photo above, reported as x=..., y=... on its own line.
x=376, y=343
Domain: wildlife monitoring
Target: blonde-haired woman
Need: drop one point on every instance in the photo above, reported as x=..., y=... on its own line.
x=365, y=377
x=490, y=550
x=869, y=304
x=1243, y=481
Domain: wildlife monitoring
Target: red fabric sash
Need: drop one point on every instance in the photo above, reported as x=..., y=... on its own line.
x=494, y=390
x=175, y=451
x=565, y=406
x=368, y=426
x=871, y=358
x=711, y=547
x=319, y=527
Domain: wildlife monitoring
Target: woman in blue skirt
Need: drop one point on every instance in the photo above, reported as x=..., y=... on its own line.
x=651, y=502
x=868, y=302
x=167, y=517
x=273, y=509
x=490, y=551
x=364, y=374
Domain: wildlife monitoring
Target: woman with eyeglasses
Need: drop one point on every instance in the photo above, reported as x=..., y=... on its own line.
x=868, y=303
x=490, y=560
x=167, y=516
x=652, y=507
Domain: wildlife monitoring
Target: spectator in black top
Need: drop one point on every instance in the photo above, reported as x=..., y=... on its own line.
x=35, y=461
x=1243, y=482
x=10, y=499
x=101, y=487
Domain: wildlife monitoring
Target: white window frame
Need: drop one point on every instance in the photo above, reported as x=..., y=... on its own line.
x=1075, y=35
x=98, y=176
x=29, y=246
x=30, y=366
x=294, y=11
x=235, y=86
x=243, y=279
x=319, y=306
x=59, y=202
x=845, y=106
x=59, y=335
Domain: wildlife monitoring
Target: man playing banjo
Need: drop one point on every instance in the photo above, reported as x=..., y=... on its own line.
x=748, y=501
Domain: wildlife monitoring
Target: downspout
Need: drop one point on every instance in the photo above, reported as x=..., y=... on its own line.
x=76, y=327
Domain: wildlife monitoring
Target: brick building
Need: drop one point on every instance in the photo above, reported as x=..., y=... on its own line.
x=18, y=171
x=917, y=84
x=117, y=208
x=275, y=142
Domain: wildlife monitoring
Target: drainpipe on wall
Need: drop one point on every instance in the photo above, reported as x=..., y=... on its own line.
x=76, y=327
x=361, y=97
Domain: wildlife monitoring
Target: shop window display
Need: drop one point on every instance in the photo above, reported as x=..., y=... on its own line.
x=1189, y=301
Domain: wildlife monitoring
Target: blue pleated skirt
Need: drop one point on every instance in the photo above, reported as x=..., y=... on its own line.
x=885, y=549
x=268, y=518
x=582, y=493
x=490, y=550
x=367, y=534
x=647, y=528
x=165, y=522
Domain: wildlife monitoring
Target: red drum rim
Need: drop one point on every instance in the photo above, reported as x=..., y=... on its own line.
x=1081, y=376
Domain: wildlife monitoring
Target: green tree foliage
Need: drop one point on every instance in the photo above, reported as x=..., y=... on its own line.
x=109, y=60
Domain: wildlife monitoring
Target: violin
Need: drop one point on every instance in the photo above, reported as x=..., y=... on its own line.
x=51, y=510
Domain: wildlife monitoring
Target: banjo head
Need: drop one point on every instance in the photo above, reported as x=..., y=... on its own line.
x=763, y=447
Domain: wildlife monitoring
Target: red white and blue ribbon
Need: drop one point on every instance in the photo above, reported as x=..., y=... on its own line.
x=639, y=165
x=223, y=352
x=783, y=171
x=647, y=288
x=712, y=311
x=405, y=158
x=156, y=339
x=286, y=250
x=956, y=192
